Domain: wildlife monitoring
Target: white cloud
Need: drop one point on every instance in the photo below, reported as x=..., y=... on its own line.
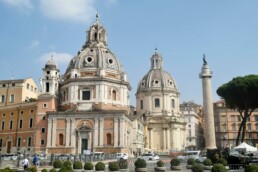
x=21, y=4
x=68, y=10
x=59, y=58
x=34, y=44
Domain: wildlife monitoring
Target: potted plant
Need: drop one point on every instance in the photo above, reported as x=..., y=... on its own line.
x=190, y=162
x=123, y=165
x=88, y=167
x=77, y=166
x=251, y=168
x=218, y=168
x=58, y=164
x=44, y=170
x=160, y=166
x=175, y=164
x=207, y=164
x=100, y=166
x=113, y=166
x=197, y=168
x=67, y=163
x=140, y=165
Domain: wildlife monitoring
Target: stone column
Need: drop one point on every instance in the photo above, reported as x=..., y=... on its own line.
x=150, y=138
x=89, y=140
x=168, y=139
x=101, y=132
x=54, y=133
x=115, y=132
x=164, y=138
x=79, y=143
x=121, y=119
x=205, y=75
x=49, y=132
x=67, y=133
x=96, y=132
x=73, y=133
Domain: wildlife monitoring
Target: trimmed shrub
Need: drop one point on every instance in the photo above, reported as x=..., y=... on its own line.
x=251, y=168
x=88, y=166
x=160, y=163
x=113, y=166
x=197, y=168
x=66, y=169
x=190, y=161
x=77, y=165
x=218, y=168
x=100, y=166
x=58, y=164
x=207, y=162
x=32, y=169
x=175, y=162
x=67, y=163
x=140, y=163
x=123, y=164
x=222, y=161
x=52, y=170
x=44, y=170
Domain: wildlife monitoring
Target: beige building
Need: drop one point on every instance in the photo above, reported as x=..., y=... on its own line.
x=93, y=112
x=227, y=122
x=18, y=109
x=194, y=126
x=157, y=99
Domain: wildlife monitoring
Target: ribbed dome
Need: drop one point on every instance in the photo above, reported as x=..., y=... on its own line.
x=95, y=54
x=157, y=78
x=51, y=64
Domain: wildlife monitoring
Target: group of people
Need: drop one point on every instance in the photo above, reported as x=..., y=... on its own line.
x=35, y=161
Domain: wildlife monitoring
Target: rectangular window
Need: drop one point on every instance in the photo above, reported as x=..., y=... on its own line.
x=256, y=117
x=85, y=95
x=31, y=123
x=141, y=104
x=11, y=125
x=35, y=90
x=20, y=123
x=172, y=103
x=239, y=118
x=12, y=98
x=234, y=127
x=44, y=105
x=13, y=84
x=43, y=130
x=29, y=141
x=249, y=127
x=42, y=142
x=223, y=119
x=3, y=98
x=234, y=135
x=249, y=135
x=233, y=119
x=31, y=88
x=157, y=103
x=3, y=85
x=19, y=142
x=224, y=128
x=1, y=142
x=2, y=125
x=28, y=86
x=43, y=118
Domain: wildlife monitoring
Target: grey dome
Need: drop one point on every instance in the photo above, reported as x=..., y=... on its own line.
x=95, y=54
x=157, y=78
x=51, y=64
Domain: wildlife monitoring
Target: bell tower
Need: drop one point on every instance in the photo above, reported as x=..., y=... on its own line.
x=50, y=79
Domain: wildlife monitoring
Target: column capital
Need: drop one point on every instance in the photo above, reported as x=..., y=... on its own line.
x=121, y=118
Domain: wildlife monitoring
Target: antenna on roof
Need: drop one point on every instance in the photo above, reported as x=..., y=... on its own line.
x=12, y=76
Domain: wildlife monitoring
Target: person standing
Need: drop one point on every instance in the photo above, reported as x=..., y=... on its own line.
x=35, y=160
x=25, y=163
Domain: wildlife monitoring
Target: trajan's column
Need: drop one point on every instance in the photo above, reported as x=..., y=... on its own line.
x=205, y=75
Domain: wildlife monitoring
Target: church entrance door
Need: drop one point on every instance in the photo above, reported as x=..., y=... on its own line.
x=84, y=145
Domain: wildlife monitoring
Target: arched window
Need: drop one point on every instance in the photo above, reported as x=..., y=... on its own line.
x=61, y=139
x=47, y=87
x=157, y=103
x=108, y=139
x=114, y=95
x=95, y=36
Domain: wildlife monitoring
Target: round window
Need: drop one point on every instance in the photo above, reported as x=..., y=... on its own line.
x=89, y=59
x=110, y=61
x=156, y=82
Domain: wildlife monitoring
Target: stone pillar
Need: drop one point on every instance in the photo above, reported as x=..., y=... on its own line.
x=205, y=75
x=168, y=139
x=101, y=132
x=79, y=143
x=89, y=140
x=115, y=132
x=164, y=139
x=49, y=133
x=67, y=133
x=54, y=133
x=73, y=133
x=96, y=132
x=121, y=119
x=150, y=138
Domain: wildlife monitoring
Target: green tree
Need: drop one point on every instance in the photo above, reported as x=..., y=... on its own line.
x=241, y=94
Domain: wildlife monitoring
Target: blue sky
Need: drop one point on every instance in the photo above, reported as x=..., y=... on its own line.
x=182, y=30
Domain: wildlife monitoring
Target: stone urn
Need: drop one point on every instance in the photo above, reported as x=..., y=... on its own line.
x=160, y=168
x=176, y=167
x=140, y=169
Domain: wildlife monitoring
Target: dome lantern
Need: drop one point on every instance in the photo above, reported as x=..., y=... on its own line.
x=156, y=60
